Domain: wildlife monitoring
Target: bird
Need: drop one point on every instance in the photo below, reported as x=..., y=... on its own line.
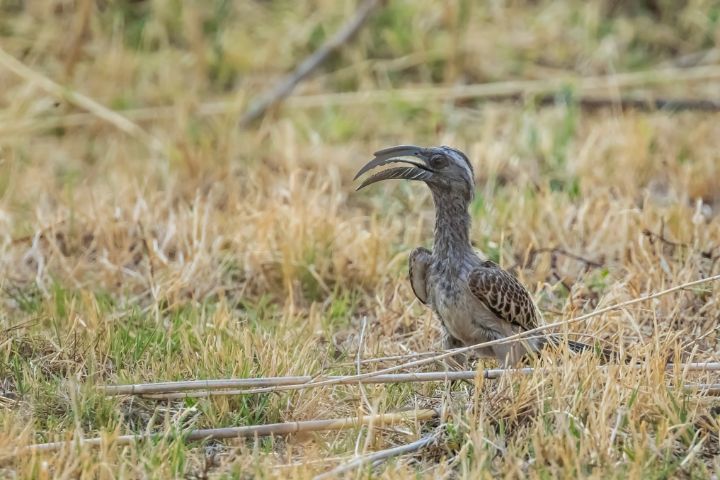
x=474, y=298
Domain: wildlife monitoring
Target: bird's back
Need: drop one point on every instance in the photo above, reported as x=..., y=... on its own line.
x=503, y=294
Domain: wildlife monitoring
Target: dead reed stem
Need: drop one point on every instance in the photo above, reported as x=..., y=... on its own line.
x=185, y=389
x=379, y=456
x=248, y=431
x=509, y=89
x=214, y=387
x=504, y=90
x=450, y=353
x=307, y=66
x=79, y=100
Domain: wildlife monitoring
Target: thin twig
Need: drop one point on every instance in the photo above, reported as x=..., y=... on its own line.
x=361, y=344
x=207, y=386
x=363, y=395
x=583, y=86
x=391, y=358
x=379, y=456
x=652, y=236
x=306, y=462
x=307, y=66
x=498, y=90
x=694, y=449
x=79, y=100
x=522, y=336
x=203, y=388
x=591, y=102
x=18, y=326
x=248, y=431
x=419, y=377
x=618, y=421
x=358, y=366
x=710, y=389
x=534, y=252
x=703, y=388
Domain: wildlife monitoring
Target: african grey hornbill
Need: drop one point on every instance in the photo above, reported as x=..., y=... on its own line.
x=475, y=299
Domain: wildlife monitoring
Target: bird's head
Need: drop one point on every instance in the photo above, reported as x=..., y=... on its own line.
x=443, y=169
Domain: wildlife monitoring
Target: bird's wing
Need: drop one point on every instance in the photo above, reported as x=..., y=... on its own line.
x=419, y=263
x=503, y=295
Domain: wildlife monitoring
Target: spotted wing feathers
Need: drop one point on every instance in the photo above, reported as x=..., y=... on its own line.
x=503, y=295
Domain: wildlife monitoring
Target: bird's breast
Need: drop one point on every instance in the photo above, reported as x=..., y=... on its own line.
x=465, y=319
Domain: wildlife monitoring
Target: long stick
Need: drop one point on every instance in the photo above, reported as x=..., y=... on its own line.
x=288, y=84
x=503, y=90
x=249, y=431
x=512, y=338
x=639, y=103
x=703, y=388
x=183, y=389
x=380, y=455
x=507, y=89
x=79, y=100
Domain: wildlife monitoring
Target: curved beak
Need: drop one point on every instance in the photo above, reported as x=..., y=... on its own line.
x=418, y=171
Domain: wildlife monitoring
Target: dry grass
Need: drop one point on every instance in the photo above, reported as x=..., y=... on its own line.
x=247, y=253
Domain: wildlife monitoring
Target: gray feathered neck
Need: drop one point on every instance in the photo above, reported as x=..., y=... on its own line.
x=452, y=225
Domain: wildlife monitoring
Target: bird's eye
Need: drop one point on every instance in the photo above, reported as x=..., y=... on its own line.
x=438, y=161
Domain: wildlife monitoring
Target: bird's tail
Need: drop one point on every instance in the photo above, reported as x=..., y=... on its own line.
x=607, y=354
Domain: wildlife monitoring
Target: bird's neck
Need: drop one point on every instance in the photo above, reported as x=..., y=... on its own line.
x=452, y=226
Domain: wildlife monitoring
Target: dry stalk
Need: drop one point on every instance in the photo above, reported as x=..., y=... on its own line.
x=174, y=390
x=512, y=338
x=504, y=90
x=641, y=104
x=200, y=389
x=379, y=456
x=264, y=385
x=510, y=89
x=307, y=66
x=79, y=100
x=248, y=431
x=702, y=388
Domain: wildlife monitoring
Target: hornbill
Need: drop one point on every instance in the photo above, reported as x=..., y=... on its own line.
x=475, y=299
